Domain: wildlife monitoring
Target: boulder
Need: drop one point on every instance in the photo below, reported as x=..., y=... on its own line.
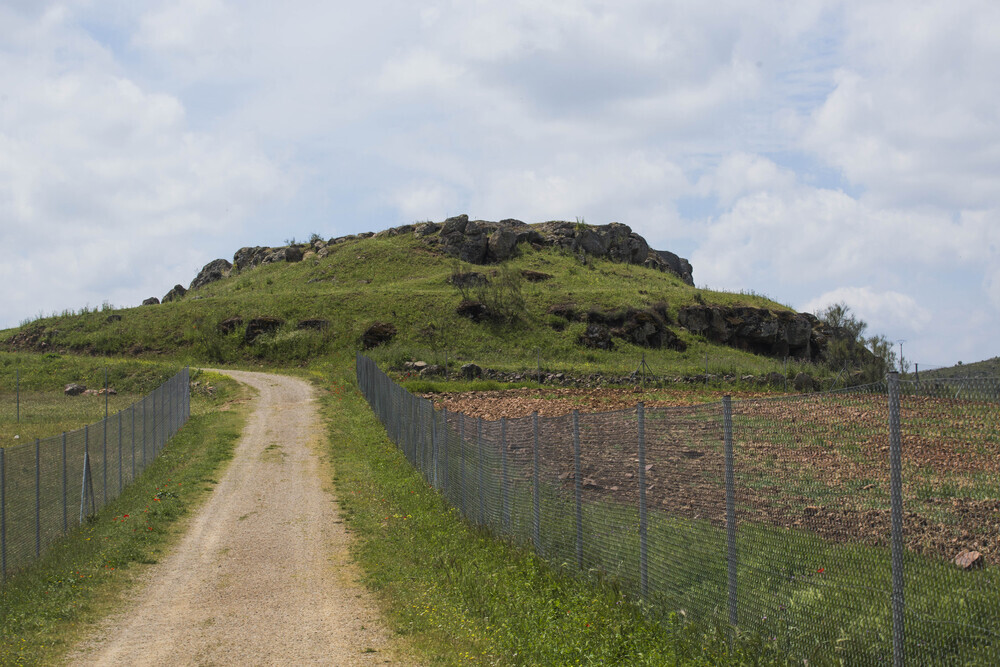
x=377, y=334
x=259, y=326
x=74, y=389
x=215, y=270
x=228, y=326
x=290, y=253
x=114, y=317
x=432, y=370
x=471, y=371
x=175, y=294
x=422, y=229
x=474, y=310
x=151, y=301
x=597, y=336
x=249, y=257
x=967, y=560
x=804, y=382
x=665, y=260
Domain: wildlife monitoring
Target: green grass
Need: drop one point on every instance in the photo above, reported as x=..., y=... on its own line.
x=46, y=608
x=37, y=408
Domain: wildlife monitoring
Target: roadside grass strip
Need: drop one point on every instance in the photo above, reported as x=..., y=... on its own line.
x=47, y=607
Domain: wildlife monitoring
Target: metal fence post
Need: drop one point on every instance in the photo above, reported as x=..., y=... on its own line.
x=3, y=517
x=143, y=432
x=479, y=470
x=65, y=486
x=505, y=480
x=434, y=446
x=643, y=562
x=120, y=452
x=104, y=460
x=38, y=498
x=578, y=487
x=132, y=421
x=444, y=454
x=536, y=501
x=896, y=499
x=727, y=424
x=461, y=462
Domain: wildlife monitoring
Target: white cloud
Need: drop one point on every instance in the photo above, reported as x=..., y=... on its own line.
x=882, y=310
x=913, y=117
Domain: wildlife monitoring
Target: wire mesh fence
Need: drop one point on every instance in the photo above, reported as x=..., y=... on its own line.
x=860, y=526
x=51, y=485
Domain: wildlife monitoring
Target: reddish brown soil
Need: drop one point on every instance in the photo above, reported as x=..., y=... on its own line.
x=819, y=463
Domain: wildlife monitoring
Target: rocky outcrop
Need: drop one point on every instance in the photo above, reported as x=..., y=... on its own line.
x=758, y=330
x=259, y=326
x=174, y=294
x=151, y=301
x=677, y=265
x=377, y=334
x=217, y=269
x=643, y=327
x=249, y=257
x=485, y=242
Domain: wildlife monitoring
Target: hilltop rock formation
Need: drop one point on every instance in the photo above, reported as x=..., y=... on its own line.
x=174, y=294
x=217, y=269
x=486, y=242
x=247, y=258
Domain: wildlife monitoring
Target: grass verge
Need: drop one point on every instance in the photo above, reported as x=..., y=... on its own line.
x=465, y=597
x=45, y=609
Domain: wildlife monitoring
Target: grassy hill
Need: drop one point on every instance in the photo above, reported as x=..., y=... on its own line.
x=987, y=368
x=399, y=280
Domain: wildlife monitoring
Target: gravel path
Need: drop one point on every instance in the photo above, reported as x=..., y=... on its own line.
x=262, y=575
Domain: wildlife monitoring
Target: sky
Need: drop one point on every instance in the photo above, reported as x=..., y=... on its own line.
x=812, y=151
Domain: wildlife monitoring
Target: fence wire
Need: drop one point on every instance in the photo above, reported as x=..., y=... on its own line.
x=859, y=527
x=49, y=486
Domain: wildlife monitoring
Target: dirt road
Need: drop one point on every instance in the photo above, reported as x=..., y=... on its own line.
x=262, y=575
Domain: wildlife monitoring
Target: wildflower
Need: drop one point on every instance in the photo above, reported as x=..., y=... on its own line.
x=821, y=570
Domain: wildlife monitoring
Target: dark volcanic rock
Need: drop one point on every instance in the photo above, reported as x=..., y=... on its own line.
x=259, y=326
x=74, y=389
x=474, y=310
x=597, y=336
x=471, y=371
x=377, y=334
x=230, y=325
x=758, y=330
x=675, y=264
x=151, y=301
x=217, y=269
x=175, y=294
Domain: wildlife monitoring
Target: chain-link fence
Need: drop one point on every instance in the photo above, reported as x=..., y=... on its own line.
x=51, y=485
x=860, y=526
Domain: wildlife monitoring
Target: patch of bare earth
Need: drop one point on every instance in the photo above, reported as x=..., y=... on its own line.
x=262, y=576
x=818, y=463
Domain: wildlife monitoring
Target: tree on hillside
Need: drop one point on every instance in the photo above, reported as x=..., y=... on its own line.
x=873, y=357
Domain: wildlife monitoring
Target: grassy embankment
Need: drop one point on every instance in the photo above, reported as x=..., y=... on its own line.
x=45, y=609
